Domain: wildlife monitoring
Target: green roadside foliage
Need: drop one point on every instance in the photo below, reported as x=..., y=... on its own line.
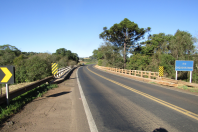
x=147, y=53
x=32, y=66
x=90, y=63
x=19, y=102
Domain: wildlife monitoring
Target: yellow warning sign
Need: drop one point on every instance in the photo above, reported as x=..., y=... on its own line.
x=161, y=71
x=54, y=68
x=7, y=74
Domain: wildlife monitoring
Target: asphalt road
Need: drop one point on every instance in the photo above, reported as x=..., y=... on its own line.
x=119, y=104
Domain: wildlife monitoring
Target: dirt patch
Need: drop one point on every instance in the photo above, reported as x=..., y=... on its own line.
x=49, y=113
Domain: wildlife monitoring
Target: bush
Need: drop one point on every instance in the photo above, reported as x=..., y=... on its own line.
x=138, y=62
x=63, y=62
x=72, y=63
x=37, y=68
x=100, y=62
x=168, y=61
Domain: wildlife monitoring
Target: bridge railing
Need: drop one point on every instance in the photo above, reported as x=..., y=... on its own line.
x=139, y=73
x=19, y=91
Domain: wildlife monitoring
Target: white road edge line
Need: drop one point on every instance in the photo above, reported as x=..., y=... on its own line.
x=91, y=122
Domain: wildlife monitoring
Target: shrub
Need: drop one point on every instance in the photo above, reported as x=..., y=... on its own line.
x=138, y=62
x=100, y=62
x=63, y=62
x=37, y=68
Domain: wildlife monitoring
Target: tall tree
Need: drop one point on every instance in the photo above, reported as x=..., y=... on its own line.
x=156, y=43
x=61, y=51
x=181, y=45
x=124, y=35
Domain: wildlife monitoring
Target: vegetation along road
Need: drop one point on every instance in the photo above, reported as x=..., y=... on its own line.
x=119, y=104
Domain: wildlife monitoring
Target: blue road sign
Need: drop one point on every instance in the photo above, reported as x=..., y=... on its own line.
x=182, y=65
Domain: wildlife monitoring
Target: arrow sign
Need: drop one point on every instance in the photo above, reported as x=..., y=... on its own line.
x=9, y=74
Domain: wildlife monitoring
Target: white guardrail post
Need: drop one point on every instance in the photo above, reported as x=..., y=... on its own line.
x=61, y=71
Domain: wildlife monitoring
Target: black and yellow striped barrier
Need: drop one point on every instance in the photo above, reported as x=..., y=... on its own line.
x=161, y=71
x=54, y=68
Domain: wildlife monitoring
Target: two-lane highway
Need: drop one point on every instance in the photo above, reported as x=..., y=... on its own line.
x=119, y=104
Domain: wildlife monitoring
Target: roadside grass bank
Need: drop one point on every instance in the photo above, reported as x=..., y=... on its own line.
x=90, y=63
x=19, y=102
x=182, y=87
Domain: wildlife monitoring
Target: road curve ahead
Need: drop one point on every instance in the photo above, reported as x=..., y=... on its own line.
x=119, y=104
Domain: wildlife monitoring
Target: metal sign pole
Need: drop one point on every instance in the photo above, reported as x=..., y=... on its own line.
x=7, y=93
x=176, y=76
x=190, y=76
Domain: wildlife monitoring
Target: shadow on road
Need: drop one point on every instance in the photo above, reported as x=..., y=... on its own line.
x=160, y=130
x=58, y=94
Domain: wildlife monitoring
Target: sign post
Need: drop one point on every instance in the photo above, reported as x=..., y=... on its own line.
x=7, y=77
x=54, y=68
x=183, y=65
x=161, y=71
x=7, y=94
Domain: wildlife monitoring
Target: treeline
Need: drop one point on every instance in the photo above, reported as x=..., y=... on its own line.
x=146, y=54
x=32, y=66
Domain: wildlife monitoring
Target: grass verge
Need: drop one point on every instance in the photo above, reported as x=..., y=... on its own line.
x=19, y=102
x=90, y=63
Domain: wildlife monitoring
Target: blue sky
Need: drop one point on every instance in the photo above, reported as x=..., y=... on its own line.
x=47, y=25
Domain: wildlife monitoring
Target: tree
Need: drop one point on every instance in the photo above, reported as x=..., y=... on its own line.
x=181, y=45
x=124, y=35
x=9, y=48
x=61, y=51
x=155, y=43
x=95, y=53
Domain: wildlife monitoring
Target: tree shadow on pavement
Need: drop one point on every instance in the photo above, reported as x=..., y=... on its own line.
x=58, y=94
x=160, y=130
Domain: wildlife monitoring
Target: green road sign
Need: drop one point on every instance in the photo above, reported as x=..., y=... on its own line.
x=6, y=74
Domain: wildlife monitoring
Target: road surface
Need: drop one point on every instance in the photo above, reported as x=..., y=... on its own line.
x=118, y=104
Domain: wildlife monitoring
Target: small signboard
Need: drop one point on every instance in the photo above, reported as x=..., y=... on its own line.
x=183, y=65
x=6, y=75
x=161, y=71
x=54, y=68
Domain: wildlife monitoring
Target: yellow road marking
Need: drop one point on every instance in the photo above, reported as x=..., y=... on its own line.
x=169, y=105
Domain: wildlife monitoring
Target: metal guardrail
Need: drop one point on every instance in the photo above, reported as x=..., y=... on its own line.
x=61, y=71
x=24, y=89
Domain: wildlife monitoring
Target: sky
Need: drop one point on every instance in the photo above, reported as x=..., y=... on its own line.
x=47, y=25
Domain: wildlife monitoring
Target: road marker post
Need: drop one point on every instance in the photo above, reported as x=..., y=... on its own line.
x=161, y=71
x=7, y=94
x=7, y=76
x=54, y=68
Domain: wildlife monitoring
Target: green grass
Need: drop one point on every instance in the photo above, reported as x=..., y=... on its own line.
x=192, y=90
x=90, y=63
x=185, y=87
x=19, y=102
x=153, y=82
